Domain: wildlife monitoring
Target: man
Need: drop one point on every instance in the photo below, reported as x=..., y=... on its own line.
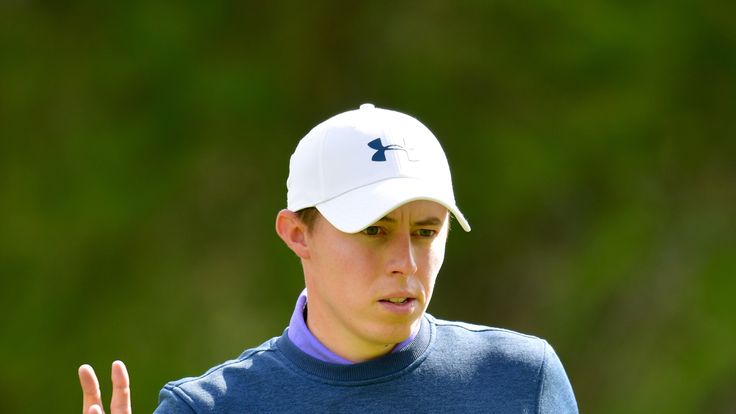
x=368, y=210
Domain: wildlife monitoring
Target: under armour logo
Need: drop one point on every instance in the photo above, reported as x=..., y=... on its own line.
x=380, y=154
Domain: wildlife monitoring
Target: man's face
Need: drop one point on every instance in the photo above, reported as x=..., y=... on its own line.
x=367, y=291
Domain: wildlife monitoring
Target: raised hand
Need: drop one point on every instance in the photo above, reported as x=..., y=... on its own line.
x=92, y=400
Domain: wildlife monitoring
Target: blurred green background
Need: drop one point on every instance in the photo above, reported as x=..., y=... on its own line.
x=144, y=152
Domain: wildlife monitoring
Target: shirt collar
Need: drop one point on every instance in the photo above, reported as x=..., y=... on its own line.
x=303, y=338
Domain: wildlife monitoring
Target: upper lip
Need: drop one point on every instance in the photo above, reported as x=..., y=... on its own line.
x=407, y=295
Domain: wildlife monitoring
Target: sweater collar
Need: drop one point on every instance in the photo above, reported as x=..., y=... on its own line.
x=302, y=337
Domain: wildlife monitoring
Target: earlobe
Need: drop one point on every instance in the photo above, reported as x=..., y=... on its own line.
x=293, y=232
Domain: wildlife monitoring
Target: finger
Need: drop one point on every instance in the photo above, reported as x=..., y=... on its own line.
x=95, y=409
x=90, y=388
x=120, y=403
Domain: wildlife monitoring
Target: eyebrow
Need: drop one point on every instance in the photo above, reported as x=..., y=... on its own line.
x=430, y=221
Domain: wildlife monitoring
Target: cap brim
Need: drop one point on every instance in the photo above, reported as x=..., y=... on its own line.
x=357, y=209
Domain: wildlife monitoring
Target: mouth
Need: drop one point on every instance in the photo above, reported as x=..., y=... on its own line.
x=401, y=304
x=397, y=300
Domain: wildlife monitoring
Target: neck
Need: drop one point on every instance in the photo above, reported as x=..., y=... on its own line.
x=343, y=343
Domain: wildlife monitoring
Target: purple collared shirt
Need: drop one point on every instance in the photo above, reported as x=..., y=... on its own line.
x=302, y=337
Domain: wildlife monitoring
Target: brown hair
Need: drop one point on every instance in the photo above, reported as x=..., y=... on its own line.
x=308, y=216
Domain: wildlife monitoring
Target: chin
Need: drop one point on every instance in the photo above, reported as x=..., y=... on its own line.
x=396, y=333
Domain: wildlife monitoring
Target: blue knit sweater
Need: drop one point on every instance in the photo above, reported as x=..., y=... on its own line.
x=450, y=367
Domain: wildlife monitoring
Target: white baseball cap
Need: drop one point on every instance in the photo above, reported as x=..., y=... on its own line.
x=359, y=165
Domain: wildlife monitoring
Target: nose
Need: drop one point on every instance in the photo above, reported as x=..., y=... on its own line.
x=401, y=256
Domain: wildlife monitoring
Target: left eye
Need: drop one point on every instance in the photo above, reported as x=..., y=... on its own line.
x=426, y=232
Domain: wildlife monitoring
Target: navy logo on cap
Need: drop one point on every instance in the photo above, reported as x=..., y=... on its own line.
x=380, y=154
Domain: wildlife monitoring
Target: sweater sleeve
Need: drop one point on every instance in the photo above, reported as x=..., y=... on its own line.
x=170, y=403
x=555, y=391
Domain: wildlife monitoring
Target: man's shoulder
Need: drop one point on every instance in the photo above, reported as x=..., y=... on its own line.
x=472, y=328
x=517, y=364
x=480, y=340
x=245, y=360
x=206, y=389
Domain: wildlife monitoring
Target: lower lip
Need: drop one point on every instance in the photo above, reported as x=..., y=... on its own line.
x=400, y=308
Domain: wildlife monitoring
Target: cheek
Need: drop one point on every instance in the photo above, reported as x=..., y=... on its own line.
x=435, y=258
x=437, y=255
x=344, y=260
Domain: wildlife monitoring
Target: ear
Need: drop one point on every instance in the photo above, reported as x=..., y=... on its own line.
x=293, y=232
